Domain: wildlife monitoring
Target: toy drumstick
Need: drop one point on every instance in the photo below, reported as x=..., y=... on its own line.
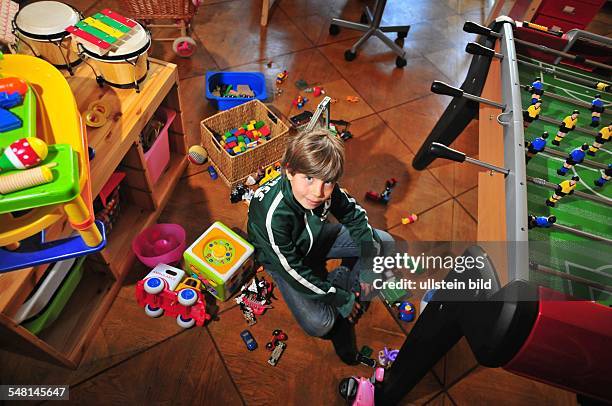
x=26, y=179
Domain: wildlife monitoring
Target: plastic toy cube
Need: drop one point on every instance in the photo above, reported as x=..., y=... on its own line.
x=221, y=258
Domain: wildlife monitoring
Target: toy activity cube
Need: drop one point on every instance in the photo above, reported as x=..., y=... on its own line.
x=221, y=258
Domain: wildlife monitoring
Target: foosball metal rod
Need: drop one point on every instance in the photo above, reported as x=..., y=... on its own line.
x=582, y=233
x=573, y=278
x=577, y=58
x=586, y=162
x=549, y=185
x=603, y=87
x=563, y=98
x=583, y=130
x=442, y=151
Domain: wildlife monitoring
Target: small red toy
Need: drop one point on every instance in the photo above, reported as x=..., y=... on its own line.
x=385, y=196
x=277, y=336
x=300, y=101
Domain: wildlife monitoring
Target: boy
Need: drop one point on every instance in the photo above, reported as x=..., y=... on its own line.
x=287, y=225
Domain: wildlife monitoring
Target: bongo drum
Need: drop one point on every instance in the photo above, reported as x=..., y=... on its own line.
x=40, y=31
x=125, y=67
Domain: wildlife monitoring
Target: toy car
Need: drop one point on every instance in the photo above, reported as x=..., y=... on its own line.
x=212, y=172
x=248, y=339
x=276, y=354
x=277, y=337
x=368, y=362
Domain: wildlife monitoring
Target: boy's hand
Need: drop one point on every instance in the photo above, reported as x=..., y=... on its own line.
x=366, y=289
x=356, y=312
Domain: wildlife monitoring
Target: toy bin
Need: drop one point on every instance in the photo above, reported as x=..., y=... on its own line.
x=160, y=244
x=221, y=259
x=158, y=156
x=235, y=169
x=255, y=80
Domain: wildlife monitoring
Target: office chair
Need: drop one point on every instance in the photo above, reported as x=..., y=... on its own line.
x=370, y=23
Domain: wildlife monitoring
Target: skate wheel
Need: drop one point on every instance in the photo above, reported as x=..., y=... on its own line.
x=153, y=311
x=154, y=285
x=187, y=297
x=184, y=322
x=184, y=46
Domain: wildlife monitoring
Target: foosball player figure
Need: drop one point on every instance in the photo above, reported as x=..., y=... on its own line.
x=563, y=189
x=601, y=138
x=532, y=113
x=597, y=107
x=540, y=221
x=575, y=157
x=536, y=89
x=605, y=176
x=536, y=146
x=567, y=125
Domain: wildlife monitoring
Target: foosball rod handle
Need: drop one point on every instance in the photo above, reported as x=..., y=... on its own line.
x=438, y=87
x=475, y=48
x=474, y=28
x=442, y=151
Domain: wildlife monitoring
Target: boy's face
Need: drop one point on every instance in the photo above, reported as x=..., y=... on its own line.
x=308, y=191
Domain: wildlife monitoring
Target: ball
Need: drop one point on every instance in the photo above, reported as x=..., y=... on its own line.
x=197, y=155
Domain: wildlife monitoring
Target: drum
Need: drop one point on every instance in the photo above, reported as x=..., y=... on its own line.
x=40, y=31
x=125, y=67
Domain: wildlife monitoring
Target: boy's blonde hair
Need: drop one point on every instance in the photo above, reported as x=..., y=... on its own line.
x=318, y=153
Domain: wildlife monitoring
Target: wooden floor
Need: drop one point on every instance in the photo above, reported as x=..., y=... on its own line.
x=138, y=360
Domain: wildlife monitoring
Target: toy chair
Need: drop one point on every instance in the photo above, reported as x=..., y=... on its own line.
x=50, y=104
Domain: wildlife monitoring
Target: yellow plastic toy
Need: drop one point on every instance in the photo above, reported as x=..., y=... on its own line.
x=221, y=258
x=58, y=122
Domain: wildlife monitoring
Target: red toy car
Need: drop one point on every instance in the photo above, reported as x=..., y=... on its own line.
x=277, y=335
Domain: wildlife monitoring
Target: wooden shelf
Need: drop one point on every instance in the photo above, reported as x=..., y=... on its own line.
x=118, y=252
x=67, y=339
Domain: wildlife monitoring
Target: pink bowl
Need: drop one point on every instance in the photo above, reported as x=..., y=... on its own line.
x=160, y=243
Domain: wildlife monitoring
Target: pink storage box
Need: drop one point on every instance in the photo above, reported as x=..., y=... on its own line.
x=158, y=156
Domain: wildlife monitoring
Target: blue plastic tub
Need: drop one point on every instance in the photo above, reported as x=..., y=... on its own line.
x=255, y=80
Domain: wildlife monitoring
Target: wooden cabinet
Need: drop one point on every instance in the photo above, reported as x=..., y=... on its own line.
x=117, y=146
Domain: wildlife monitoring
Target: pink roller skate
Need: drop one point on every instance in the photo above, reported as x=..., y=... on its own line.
x=359, y=391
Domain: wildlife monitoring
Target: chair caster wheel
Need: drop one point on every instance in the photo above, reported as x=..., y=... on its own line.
x=400, y=62
x=350, y=55
x=334, y=29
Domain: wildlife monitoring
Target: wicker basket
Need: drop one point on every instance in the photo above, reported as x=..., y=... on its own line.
x=157, y=9
x=235, y=169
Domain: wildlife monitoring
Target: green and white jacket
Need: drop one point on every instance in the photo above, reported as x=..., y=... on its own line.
x=283, y=233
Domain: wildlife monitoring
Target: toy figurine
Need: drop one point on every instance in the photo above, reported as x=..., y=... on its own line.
x=563, y=189
x=597, y=107
x=602, y=137
x=535, y=146
x=281, y=77
x=575, y=157
x=532, y=113
x=540, y=221
x=386, y=357
x=536, y=89
x=406, y=311
x=567, y=125
x=300, y=101
x=23, y=153
x=605, y=176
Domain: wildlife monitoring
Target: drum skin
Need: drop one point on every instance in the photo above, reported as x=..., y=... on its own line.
x=42, y=37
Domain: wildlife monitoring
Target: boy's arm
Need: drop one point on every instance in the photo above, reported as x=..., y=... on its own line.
x=354, y=217
x=281, y=251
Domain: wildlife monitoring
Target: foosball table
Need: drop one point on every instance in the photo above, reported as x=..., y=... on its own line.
x=544, y=204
